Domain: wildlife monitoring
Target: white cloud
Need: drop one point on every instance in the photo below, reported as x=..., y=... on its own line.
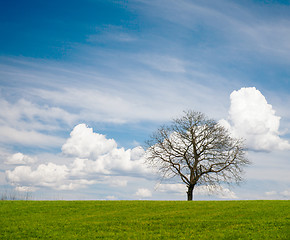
x=105, y=89
x=246, y=30
x=118, y=160
x=84, y=143
x=94, y=153
x=121, y=99
x=28, y=138
x=126, y=100
x=83, y=167
x=91, y=155
x=24, y=122
x=143, y=193
x=48, y=175
x=111, y=33
x=164, y=63
x=20, y=158
x=252, y=118
x=137, y=153
x=26, y=111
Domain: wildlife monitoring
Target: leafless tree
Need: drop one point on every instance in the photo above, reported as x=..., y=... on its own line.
x=198, y=150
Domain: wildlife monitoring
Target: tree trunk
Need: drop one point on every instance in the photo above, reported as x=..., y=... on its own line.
x=190, y=192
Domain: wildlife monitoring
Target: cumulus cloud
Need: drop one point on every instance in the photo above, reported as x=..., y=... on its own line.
x=84, y=143
x=48, y=175
x=94, y=153
x=143, y=193
x=45, y=175
x=252, y=118
x=137, y=153
x=87, y=155
x=19, y=158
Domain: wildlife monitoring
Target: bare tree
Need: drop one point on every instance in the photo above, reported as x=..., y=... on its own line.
x=198, y=150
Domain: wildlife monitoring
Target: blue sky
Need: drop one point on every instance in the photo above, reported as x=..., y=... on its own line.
x=76, y=76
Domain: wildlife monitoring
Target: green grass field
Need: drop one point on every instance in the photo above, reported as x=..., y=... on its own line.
x=144, y=220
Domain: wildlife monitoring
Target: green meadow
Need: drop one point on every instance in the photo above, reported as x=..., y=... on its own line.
x=145, y=220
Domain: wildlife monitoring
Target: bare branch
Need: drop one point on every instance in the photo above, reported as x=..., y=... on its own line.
x=198, y=150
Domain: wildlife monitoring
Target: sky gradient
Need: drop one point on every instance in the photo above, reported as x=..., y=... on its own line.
x=84, y=83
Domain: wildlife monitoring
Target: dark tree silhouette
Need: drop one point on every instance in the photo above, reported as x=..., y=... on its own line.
x=198, y=150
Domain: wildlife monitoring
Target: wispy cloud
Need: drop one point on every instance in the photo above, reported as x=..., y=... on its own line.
x=28, y=138
x=236, y=28
x=111, y=33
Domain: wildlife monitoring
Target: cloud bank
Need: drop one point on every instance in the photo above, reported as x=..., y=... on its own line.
x=89, y=156
x=252, y=118
x=46, y=175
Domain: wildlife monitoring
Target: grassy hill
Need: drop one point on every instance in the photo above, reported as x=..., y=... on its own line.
x=144, y=220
